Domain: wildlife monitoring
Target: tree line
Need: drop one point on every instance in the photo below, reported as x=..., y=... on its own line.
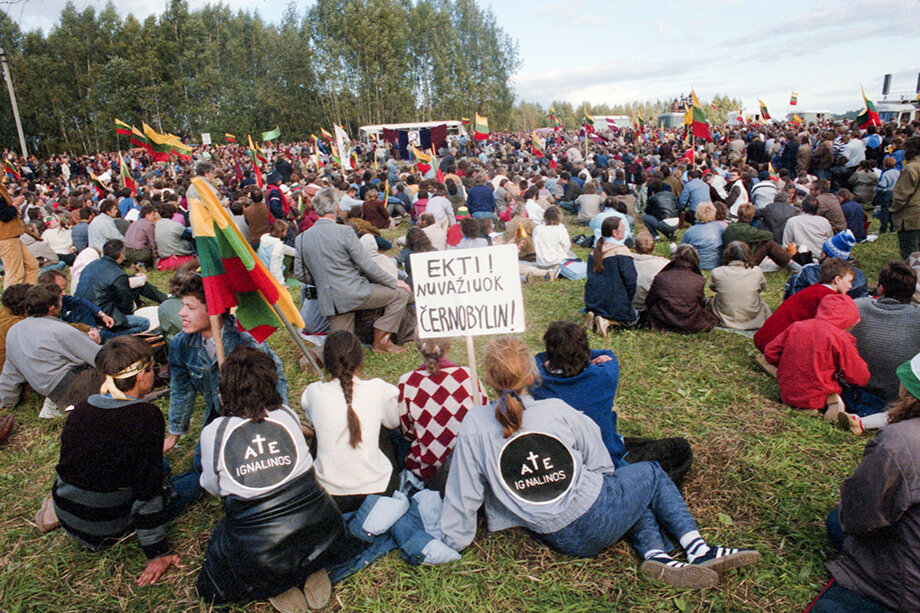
x=352, y=62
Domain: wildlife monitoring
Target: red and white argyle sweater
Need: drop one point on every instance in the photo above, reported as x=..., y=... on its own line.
x=431, y=408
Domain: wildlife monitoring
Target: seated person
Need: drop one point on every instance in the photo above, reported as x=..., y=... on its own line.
x=647, y=266
x=661, y=210
x=174, y=240
x=705, y=236
x=814, y=356
x=887, y=335
x=434, y=231
x=570, y=495
x=272, y=250
x=433, y=400
x=416, y=242
x=737, y=284
x=13, y=311
x=809, y=230
x=193, y=359
x=104, y=283
x=281, y=527
x=611, y=208
x=140, y=239
x=837, y=247
x=472, y=236
x=760, y=241
x=835, y=276
x=676, y=300
x=45, y=352
x=611, y=283
x=76, y=310
x=111, y=474
x=551, y=241
x=875, y=523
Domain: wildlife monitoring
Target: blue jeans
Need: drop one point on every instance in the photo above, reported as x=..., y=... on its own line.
x=638, y=500
x=482, y=214
x=133, y=325
x=837, y=599
x=187, y=488
x=568, y=205
x=654, y=226
x=860, y=402
x=883, y=200
x=835, y=533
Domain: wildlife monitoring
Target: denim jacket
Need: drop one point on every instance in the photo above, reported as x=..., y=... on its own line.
x=192, y=371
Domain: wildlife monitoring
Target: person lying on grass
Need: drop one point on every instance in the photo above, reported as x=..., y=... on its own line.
x=111, y=472
x=543, y=466
x=875, y=524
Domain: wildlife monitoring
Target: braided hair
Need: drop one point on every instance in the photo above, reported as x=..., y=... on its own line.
x=343, y=356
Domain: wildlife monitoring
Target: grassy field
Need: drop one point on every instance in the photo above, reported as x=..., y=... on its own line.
x=763, y=477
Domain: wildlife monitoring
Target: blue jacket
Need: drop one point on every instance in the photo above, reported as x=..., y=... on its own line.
x=480, y=199
x=707, y=238
x=809, y=275
x=193, y=372
x=694, y=192
x=104, y=283
x=610, y=293
x=592, y=391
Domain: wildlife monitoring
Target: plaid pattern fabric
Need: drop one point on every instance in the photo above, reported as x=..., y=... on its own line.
x=431, y=408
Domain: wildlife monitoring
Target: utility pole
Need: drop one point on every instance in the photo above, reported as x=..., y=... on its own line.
x=9, y=86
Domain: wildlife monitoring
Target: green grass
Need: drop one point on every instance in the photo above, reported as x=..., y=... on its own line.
x=763, y=477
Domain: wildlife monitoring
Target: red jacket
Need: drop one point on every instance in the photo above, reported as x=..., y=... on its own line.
x=813, y=353
x=799, y=306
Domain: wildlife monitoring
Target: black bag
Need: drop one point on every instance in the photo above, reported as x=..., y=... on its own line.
x=674, y=455
x=266, y=545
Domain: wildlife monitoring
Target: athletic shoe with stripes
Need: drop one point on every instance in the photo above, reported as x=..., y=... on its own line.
x=721, y=559
x=678, y=574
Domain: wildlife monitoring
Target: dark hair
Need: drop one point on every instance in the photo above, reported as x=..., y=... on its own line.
x=417, y=241
x=41, y=298
x=192, y=286
x=182, y=274
x=147, y=209
x=907, y=406
x=84, y=213
x=342, y=357
x=831, y=268
x=810, y=205
x=113, y=248
x=507, y=364
x=14, y=298
x=899, y=281
x=120, y=352
x=433, y=350
x=746, y=212
x=608, y=227
x=49, y=276
x=737, y=251
x=687, y=253
x=469, y=226
x=486, y=225
x=107, y=205
x=552, y=215
x=248, y=384
x=567, y=349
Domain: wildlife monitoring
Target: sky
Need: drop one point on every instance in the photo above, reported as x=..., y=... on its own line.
x=603, y=51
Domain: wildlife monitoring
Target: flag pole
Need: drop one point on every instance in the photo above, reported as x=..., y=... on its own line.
x=299, y=342
x=474, y=376
x=218, y=340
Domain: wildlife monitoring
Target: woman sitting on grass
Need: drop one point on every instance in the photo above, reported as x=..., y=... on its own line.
x=737, y=284
x=551, y=242
x=875, y=523
x=676, y=301
x=543, y=466
x=281, y=527
x=611, y=283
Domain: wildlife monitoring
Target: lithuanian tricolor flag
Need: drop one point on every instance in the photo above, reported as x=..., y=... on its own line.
x=10, y=170
x=122, y=128
x=764, y=113
x=127, y=180
x=794, y=99
x=422, y=160
x=255, y=163
x=869, y=116
x=481, y=127
x=233, y=274
x=163, y=145
x=325, y=133
x=229, y=138
x=695, y=119
x=99, y=186
x=537, y=143
x=589, y=122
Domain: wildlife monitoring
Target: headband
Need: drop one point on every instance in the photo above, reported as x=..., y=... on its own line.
x=109, y=387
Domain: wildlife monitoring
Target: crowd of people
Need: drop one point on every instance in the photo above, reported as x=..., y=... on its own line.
x=366, y=466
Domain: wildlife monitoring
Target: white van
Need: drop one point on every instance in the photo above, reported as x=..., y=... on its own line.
x=455, y=129
x=809, y=116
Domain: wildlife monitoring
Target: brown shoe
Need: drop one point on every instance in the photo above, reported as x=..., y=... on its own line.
x=6, y=428
x=46, y=519
x=768, y=368
x=318, y=589
x=383, y=344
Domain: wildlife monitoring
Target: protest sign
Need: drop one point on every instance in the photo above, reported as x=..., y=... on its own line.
x=468, y=292
x=206, y=138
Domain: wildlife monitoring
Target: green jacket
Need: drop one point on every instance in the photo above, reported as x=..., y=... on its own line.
x=746, y=233
x=905, y=206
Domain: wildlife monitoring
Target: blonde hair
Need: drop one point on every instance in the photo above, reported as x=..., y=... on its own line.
x=705, y=212
x=509, y=368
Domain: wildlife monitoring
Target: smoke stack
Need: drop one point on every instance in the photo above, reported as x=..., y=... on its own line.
x=918, y=82
x=886, y=85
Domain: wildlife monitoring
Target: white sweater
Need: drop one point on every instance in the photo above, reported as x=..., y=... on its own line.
x=341, y=469
x=551, y=244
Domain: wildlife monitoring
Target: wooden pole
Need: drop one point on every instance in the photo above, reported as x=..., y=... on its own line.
x=218, y=340
x=474, y=376
x=299, y=342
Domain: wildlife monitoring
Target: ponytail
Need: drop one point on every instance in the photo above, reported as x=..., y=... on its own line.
x=343, y=356
x=608, y=227
x=509, y=370
x=432, y=350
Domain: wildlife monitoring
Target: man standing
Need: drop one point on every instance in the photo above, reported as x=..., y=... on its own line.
x=905, y=206
x=330, y=257
x=19, y=265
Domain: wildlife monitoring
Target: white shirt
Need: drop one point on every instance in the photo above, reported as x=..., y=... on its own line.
x=58, y=239
x=440, y=207
x=551, y=244
x=534, y=211
x=83, y=259
x=437, y=236
x=341, y=469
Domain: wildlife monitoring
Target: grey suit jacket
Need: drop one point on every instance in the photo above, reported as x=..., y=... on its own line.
x=330, y=257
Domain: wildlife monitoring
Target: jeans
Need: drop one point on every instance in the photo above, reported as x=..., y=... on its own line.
x=883, y=200
x=837, y=599
x=654, y=226
x=382, y=243
x=637, y=501
x=186, y=487
x=908, y=242
x=568, y=205
x=835, y=533
x=133, y=325
x=482, y=214
x=860, y=402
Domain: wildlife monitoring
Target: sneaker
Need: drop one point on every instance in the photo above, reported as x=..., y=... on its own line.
x=850, y=422
x=291, y=601
x=835, y=407
x=721, y=559
x=46, y=519
x=317, y=589
x=679, y=574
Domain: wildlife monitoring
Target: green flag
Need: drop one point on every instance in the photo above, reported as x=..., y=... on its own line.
x=271, y=135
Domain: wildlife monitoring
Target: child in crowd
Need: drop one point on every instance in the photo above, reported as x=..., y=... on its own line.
x=272, y=250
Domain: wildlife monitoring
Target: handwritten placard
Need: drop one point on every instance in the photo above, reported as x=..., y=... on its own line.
x=468, y=292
